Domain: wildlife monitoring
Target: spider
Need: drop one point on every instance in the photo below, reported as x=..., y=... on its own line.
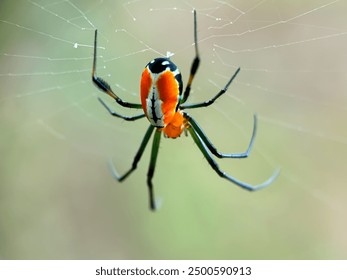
x=163, y=102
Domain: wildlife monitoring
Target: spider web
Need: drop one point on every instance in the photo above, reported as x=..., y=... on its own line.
x=56, y=139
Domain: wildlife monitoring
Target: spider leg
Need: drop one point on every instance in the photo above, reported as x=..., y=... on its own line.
x=115, y=114
x=136, y=159
x=104, y=86
x=198, y=130
x=154, y=155
x=195, y=64
x=212, y=100
x=197, y=139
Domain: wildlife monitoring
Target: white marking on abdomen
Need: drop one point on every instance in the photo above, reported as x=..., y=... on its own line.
x=154, y=112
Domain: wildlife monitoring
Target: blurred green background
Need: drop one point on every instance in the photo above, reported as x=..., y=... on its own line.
x=58, y=199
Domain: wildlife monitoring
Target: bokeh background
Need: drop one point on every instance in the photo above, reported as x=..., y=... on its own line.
x=58, y=199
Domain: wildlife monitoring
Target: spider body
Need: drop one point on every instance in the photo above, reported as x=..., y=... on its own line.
x=161, y=90
x=163, y=103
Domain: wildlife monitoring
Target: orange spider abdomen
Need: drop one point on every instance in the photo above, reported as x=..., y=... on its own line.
x=161, y=89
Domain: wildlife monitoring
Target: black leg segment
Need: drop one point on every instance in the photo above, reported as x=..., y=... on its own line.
x=152, y=163
x=115, y=114
x=212, y=100
x=223, y=174
x=136, y=159
x=198, y=130
x=104, y=86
